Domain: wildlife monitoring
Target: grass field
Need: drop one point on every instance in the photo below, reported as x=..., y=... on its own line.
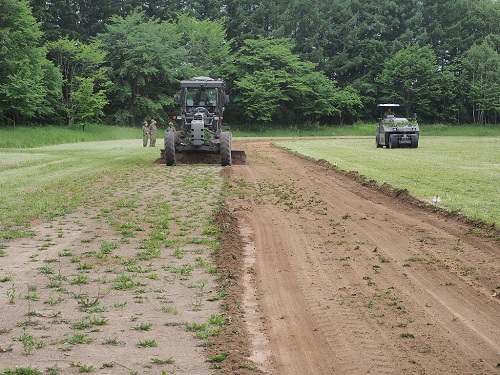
x=54, y=180
x=463, y=171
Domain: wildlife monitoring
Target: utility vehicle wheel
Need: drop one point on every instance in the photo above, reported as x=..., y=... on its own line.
x=414, y=141
x=170, y=148
x=377, y=141
x=393, y=141
x=226, y=140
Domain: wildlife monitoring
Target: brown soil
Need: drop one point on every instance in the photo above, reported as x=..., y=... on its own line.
x=352, y=278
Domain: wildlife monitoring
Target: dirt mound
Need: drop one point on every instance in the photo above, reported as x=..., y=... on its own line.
x=200, y=158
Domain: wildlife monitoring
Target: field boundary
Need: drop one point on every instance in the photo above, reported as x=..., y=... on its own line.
x=488, y=230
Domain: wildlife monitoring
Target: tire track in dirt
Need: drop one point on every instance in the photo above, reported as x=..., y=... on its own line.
x=352, y=281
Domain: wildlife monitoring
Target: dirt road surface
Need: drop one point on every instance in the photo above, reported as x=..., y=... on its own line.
x=343, y=279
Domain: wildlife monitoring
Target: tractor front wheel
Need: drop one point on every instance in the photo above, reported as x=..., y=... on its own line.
x=226, y=140
x=169, y=148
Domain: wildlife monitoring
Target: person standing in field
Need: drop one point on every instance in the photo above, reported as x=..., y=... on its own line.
x=170, y=127
x=153, y=131
x=145, y=134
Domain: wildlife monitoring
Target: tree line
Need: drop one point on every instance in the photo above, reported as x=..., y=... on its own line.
x=287, y=62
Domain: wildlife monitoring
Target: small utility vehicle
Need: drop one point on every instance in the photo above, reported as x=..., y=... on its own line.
x=394, y=131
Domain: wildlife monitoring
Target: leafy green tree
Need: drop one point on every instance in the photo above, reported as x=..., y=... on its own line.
x=88, y=103
x=482, y=77
x=77, y=60
x=411, y=78
x=145, y=61
x=25, y=89
x=274, y=84
x=206, y=46
x=58, y=18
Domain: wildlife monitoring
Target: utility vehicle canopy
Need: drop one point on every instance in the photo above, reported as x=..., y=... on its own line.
x=388, y=105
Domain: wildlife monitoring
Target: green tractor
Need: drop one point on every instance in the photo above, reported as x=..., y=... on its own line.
x=393, y=131
x=201, y=101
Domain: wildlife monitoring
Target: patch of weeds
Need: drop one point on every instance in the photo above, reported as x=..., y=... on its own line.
x=170, y=310
x=65, y=253
x=53, y=370
x=382, y=259
x=84, y=267
x=55, y=314
x=147, y=344
x=120, y=305
x=7, y=349
x=143, y=327
x=184, y=271
x=79, y=279
x=468, y=270
x=178, y=253
x=107, y=365
x=107, y=247
x=203, y=331
x=12, y=234
x=123, y=282
x=45, y=270
x=150, y=253
x=84, y=302
x=166, y=361
x=27, y=340
x=218, y=357
x=113, y=342
x=33, y=313
x=137, y=269
x=32, y=297
x=205, y=344
x=12, y=294
x=220, y=295
x=22, y=371
x=82, y=367
x=6, y=278
x=98, y=320
x=216, y=319
x=77, y=338
x=81, y=325
x=247, y=365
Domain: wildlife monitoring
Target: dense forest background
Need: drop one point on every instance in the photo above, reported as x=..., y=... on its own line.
x=303, y=62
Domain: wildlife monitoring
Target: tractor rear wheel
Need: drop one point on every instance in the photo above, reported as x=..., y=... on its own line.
x=226, y=140
x=170, y=148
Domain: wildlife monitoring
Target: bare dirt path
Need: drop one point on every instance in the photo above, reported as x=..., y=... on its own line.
x=348, y=280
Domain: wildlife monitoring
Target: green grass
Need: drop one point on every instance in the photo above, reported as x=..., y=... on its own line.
x=463, y=171
x=359, y=130
x=28, y=137
x=45, y=182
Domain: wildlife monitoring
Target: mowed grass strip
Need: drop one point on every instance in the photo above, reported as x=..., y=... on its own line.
x=463, y=171
x=45, y=182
